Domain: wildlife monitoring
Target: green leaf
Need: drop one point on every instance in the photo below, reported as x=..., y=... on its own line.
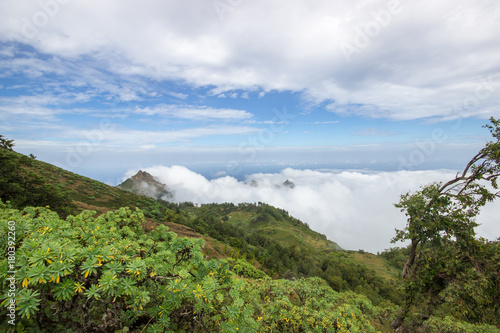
x=27, y=302
x=64, y=290
x=93, y=292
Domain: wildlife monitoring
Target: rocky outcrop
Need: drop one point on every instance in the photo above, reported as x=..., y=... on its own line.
x=143, y=183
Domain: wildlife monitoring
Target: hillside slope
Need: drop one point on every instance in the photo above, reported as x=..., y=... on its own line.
x=265, y=236
x=114, y=258
x=282, y=245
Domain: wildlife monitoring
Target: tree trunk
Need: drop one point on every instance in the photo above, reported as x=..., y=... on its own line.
x=411, y=257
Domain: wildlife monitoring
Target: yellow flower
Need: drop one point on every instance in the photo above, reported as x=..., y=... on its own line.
x=79, y=288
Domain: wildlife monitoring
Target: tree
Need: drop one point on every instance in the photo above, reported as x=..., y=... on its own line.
x=5, y=143
x=444, y=252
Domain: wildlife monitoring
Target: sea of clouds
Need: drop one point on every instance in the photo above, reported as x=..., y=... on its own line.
x=353, y=208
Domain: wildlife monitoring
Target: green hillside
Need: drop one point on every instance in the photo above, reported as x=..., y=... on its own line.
x=269, y=238
x=285, y=247
x=277, y=223
x=92, y=257
x=69, y=193
x=88, y=193
x=107, y=274
x=378, y=263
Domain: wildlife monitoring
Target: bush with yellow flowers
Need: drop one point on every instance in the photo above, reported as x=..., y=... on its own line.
x=105, y=273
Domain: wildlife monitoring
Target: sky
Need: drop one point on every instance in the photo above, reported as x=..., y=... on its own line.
x=236, y=87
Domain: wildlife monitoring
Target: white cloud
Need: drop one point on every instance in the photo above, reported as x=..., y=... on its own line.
x=194, y=112
x=326, y=122
x=90, y=77
x=7, y=51
x=178, y=95
x=353, y=209
x=425, y=59
x=110, y=139
x=125, y=137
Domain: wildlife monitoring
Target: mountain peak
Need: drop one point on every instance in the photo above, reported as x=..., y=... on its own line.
x=144, y=176
x=143, y=183
x=289, y=183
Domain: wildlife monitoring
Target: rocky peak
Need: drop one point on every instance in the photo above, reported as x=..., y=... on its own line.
x=288, y=183
x=143, y=183
x=143, y=176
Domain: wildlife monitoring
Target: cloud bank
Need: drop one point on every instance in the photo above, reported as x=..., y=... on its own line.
x=352, y=208
x=390, y=59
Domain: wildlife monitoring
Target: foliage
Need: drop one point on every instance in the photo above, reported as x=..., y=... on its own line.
x=24, y=188
x=6, y=143
x=256, y=231
x=396, y=256
x=104, y=273
x=244, y=269
x=309, y=305
x=448, y=270
x=450, y=325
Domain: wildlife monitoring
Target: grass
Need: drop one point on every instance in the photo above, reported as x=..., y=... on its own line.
x=378, y=264
x=284, y=230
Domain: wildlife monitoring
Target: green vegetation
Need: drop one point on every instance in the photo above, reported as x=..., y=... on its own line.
x=105, y=273
x=25, y=181
x=379, y=264
x=448, y=270
x=102, y=259
x=23, y=187
x=285, y=247
x=396, y=257
x=101, y=273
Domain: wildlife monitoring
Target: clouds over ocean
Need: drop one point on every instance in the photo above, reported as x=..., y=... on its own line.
x=352, y=208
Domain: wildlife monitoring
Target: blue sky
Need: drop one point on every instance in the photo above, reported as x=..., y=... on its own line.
x=234, y=87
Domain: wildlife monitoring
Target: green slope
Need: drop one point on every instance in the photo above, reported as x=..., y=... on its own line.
x=141, y=258
x=84, y=192
x=267, y=237
x=278, y=224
